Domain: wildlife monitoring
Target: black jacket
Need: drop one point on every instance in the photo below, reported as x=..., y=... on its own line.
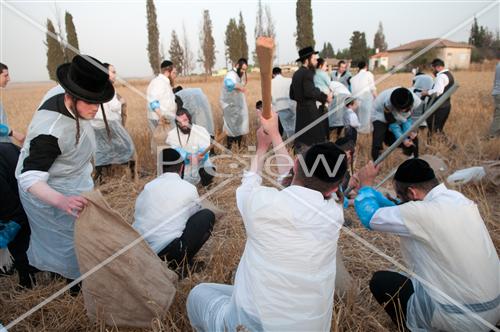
x=303, y=91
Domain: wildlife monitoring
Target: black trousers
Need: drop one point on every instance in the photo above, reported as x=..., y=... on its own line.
x=206, y=175
x=234, y=139
x=381, y=135
x=12, y=209
x=392, y=290
x=436, y=122
x=198, y=230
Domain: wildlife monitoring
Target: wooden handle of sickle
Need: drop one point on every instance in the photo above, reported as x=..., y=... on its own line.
x=265, y=54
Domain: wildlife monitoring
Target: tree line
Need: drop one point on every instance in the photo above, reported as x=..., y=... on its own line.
x=61, y=47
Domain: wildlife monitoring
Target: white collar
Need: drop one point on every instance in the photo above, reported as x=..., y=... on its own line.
x=169, y=175
x=308, y=195
x=435, y=192
x=442, y=71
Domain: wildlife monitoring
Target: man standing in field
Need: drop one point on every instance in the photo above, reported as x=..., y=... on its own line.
x=363, y=88
x=278, y=287
x=495, y=124
x=306, y=95
x=5, y=131
x=283, y=105
x=444, y=80
x=234, y=104
x=342, y=75
x=160, y=96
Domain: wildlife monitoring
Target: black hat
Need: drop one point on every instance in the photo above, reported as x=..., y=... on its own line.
x=305, y=53
x=166, y=63
x=87, y=79
x=331, y=153
x=401, y=98
x=414, y=171
x=171, y=156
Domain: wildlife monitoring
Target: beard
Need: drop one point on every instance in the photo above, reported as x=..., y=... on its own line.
x=310, y=66
x=185, y=130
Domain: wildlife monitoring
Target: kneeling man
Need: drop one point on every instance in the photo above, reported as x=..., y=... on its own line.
x=169, y=216
x=286, y=277
x=454, y=283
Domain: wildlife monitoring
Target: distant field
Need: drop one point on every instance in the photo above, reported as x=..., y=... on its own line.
x=472, y=109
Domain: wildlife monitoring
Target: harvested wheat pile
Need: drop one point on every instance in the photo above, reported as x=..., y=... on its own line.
x=469, y=120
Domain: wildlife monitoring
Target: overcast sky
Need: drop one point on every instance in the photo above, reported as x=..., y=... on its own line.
x=115, y=31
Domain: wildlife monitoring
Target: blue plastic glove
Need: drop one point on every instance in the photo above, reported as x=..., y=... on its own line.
x=229, y=84
x=154, y=105
x=368, y=202
x=4, y=130
x=8, y=231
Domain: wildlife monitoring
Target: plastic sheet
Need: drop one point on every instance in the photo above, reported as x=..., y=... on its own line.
x=116, y=150
x=196, y=102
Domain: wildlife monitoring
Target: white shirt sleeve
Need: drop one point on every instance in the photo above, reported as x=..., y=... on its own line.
x=353, y=120
x=371, y=83
x=249, y=182
x=440, y=83
x=155, y=90
x=389, y=220
x=29, y=178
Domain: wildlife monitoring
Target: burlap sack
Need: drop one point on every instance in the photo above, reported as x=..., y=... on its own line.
x=132, y=289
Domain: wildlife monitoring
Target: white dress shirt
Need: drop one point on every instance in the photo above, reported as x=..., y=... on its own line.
x=280, y=91
x=389, y=219
x=286, y=276
x=363, y=83
x=163, y=208
x=160, y=89
x=440, y=83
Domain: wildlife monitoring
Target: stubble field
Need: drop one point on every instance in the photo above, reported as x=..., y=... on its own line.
x=469, y=121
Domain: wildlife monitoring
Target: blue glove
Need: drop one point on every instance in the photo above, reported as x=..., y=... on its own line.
x=8, y=231
x=368, y=202
x=154, y=105
x=4, y=130
x=229, y=84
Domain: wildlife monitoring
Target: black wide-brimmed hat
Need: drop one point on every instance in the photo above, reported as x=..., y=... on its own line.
x=305, y=53
x=401, y=98
x=86, y=78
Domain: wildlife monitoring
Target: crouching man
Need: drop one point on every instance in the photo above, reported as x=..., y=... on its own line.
x=169, y=216
x=454, y=283
x=286, y=277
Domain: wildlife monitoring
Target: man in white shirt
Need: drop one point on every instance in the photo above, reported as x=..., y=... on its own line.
x=455, y=285
x=444, y=80
x=363, y=88
x=277, y=286
x=342, y=75
x=282, y=104
x=160, y=96
x=169, y=216
x=192, y=142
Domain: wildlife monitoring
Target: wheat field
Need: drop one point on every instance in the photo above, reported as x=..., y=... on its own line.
x=472, y=109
